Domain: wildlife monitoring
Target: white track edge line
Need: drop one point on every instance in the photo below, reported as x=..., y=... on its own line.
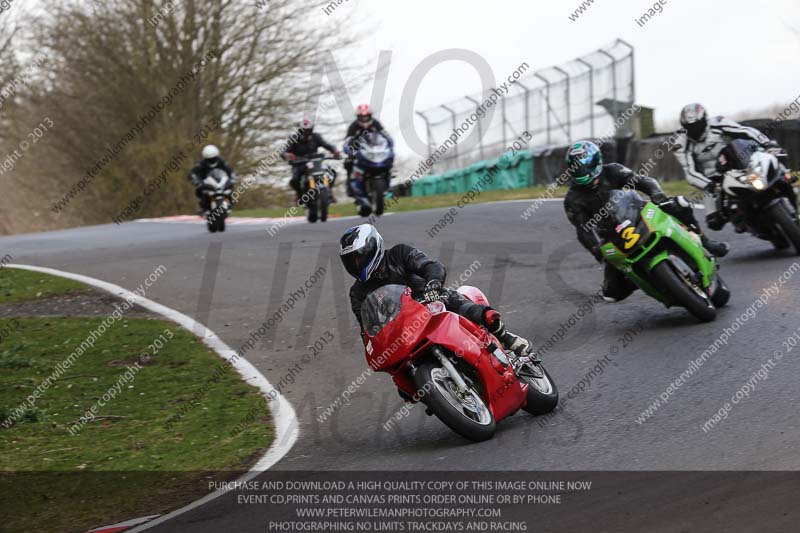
x=287, y=427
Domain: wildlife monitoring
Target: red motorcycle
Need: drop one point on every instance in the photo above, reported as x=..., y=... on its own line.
x=452, y=365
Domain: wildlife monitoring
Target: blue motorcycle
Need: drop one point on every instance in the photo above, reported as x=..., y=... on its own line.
x=373, y=155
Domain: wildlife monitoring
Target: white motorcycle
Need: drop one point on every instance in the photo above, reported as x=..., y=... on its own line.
x=759, y=196
x=218, y=188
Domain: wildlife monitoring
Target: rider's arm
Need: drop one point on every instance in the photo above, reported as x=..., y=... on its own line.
x=418, y=263
x=229, y=170
x=325, y=144
x=579, y=219
x=686, y=159
x=624, y=178
x=352, y=129
x=357, y=297
x=287, y=153
x=734, y=130
x=194, y=174
x=377, y=126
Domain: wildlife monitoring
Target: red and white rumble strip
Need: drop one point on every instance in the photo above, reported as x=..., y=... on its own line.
x=231, y=221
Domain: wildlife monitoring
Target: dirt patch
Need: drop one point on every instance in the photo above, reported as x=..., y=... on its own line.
x=87, y=303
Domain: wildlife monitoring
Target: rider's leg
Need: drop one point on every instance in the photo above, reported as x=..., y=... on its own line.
x=294, y=183
x=681, y=209
x=348, y=166
x=616, y=286
x=490, y=319
x=203, y=201
x=715, y=214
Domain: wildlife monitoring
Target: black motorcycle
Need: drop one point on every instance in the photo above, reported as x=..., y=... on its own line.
x=316, y=184
x=758, y=194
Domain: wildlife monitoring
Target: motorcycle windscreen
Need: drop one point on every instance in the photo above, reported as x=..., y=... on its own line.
x=381, y=307
x=375, y=148
x=622, y=225
x=737, y=155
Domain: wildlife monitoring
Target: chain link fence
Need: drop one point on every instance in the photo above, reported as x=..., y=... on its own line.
x=555, y=105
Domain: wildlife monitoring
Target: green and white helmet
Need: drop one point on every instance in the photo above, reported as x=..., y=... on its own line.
x=584, y=163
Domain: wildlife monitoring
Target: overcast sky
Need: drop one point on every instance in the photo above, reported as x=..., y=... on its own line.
x=729, y=54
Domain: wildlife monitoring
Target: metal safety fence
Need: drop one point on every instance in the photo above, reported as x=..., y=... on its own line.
x=555, y=105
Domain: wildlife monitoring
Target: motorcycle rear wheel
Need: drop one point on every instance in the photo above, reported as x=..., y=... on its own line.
x=468, y=416
x=687, y=297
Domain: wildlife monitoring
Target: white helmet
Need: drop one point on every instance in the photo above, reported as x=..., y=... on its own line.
x=211, y=155
x=361, y=251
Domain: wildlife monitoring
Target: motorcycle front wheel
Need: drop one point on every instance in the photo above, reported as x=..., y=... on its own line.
x=378, y=193
x=465, y=413
x=542, y=391
x=312, y=209
x=211, y=221
x=788, y=224
x=324, y=202
x=684, y=292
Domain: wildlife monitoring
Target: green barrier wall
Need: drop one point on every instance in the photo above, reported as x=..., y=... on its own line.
x=506, y=172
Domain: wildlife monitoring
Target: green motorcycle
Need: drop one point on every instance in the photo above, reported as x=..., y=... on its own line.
x=661, y=256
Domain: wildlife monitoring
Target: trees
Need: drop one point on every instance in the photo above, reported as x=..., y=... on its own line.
x=136, y=87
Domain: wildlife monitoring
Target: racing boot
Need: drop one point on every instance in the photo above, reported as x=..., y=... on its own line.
x=716, y=248
x=519, y=345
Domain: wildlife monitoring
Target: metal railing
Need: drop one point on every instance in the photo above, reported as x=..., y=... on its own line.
x=555, y=105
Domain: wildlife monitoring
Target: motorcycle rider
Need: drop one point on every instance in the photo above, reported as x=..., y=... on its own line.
x=202, y=169
x=363, y=256
x=363, y=124
x=699, y=150
x=589, y=194
x=304, y=143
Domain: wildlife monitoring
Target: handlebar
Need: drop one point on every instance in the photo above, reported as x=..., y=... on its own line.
x=299, y=161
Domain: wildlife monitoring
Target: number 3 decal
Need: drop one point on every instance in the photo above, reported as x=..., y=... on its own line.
x=631, y=237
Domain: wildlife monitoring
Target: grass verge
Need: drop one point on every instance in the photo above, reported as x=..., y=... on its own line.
x=416, y=203
x=21, y=285
x=94, y=448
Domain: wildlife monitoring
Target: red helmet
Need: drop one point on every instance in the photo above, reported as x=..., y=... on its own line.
x=364, y=114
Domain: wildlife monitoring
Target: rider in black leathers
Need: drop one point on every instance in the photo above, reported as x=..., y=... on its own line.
x=363, y=124
x=304, y=143
x=363, y=256
x=589, y=194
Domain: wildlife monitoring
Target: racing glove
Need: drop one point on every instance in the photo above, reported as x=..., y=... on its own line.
x=433, y=291
x=597, y=253
x=659, y=197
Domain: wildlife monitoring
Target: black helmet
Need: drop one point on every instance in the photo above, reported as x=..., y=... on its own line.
x=584, y=163
x=694, y=119
x=361, y=251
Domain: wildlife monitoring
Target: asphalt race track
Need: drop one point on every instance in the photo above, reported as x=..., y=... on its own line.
x=537, y=274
